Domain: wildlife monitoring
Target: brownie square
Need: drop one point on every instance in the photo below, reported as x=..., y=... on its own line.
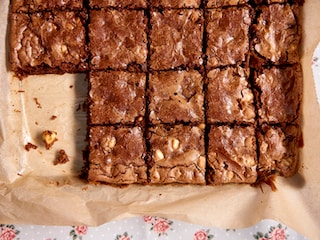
x=232, y=156
x=177, y=154
x=176, y=96
x=227, y=35
x=118, y=39
x=48, y=42
x=131, y=4
x=224, y=3
x=116, y=97
x=279, y=94
x=27, y=6
x=117, y=155
x=176, y=39
x=175, y=3
x=278, y=150
x=276, y=36
x=229, y=97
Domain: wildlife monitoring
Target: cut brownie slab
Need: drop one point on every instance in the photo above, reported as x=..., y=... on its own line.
x=176, y=39
x=118, y=39
x=176, y=96
x=278, y=150
x=276, y=35
x=223, y=3
x=48, y=42
x=27, y=6
x=232, y=156
x=132, y=4
x=279, y=94
x=177, y=154
x=116, y=97
x=117, y=155
x=229, y=97
x=227, y=35
x=175, y=3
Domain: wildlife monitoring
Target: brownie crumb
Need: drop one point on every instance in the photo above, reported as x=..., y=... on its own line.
x=29, y=146
x=37, y=103
x=62, y=158
x=53, y=117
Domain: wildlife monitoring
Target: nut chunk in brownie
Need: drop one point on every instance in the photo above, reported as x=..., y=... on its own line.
x=26, y=6
x=176, y=39
x=176, y=96
x=132, y=4
x=117, y=155
x=276, y=35
x=177, y=154
x=229, y=97
x=175, y=3
x=232, y=156
x=279, y=94
x=118, y=39
x=116, y=97
x=223, y=3
x=47, y=42
x=279, y=150
x=227, y=36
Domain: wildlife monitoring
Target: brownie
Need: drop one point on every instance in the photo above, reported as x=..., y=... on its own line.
x=177, y=154
x=229, y=97
x=278, y=1
x=27, y=6
x=276, y=36
x=176, y=39
x=175, y=3
x=48, y=42
x=232, y=156
x=279, y=94
x=176, y=96
x=118, y=39
x=278, y=150
x=132, y=4
x=116, y=97
x=117, y=155
x=223, y=3
x=227, y=35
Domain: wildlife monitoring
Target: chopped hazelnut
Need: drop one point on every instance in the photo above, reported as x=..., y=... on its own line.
x=49, y=137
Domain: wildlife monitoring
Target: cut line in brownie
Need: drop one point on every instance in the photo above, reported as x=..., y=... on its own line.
x=227, y=36
x=232, y=155
x=176, y=96
x=276, y=35
x=116, y=97
x=130, y=4
x=279, y=94
x=48, y=42
x=224, y=3
x=175, y=3
x=118, y=39
x=278, y=150
x=177, y=154
x=229, y=97
x=30, y=6
x=117, y=155
x=176, y=39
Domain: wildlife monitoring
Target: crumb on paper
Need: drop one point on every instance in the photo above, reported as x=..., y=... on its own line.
x=29, y=146
x=36, y=123
x=62, y=158
x=85, y=188
x=49, y=138
x=71, y=86
x=37, y=102
x=53, y=117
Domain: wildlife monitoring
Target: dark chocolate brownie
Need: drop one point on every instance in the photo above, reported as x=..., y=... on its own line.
x=117, y=155
x=118, y=39
x=279, y=94
x=48, y=42
x=227, y=35
x=177, y=154
x=132, y=4
x=278, y=1
x=279, y=150
x=229, y=96
x=232, y=156
x=176, y=96
x=223, y=3
x=116, y=97
x=175, y=3
x=176, y=39
x=27, y=6
x=276, y=35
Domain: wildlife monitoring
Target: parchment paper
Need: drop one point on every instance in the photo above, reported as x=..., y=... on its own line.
x=34, y=191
